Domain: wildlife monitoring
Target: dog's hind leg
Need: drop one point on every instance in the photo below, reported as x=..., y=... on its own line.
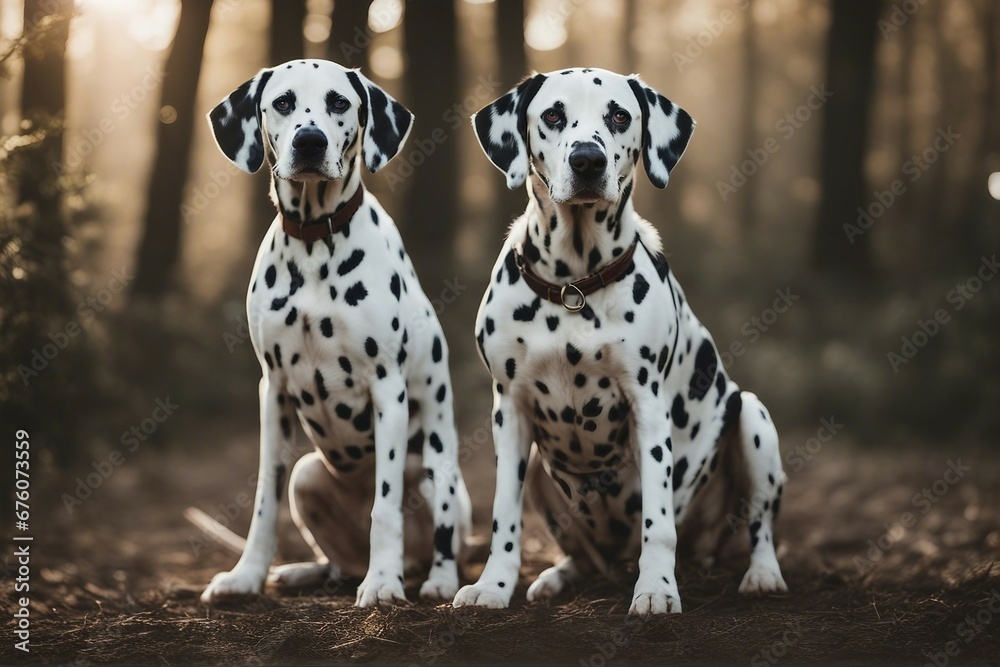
x=765, y=479
x=312, y=498
x=565, y=527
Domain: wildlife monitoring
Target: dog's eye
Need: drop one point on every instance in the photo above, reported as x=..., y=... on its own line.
x=282, y=105
x=340, y=104
x=552, y=116
x=621, y=117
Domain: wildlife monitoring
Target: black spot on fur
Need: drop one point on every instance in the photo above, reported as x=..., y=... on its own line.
x=677, y=412
x=573, y=354
x=443, y=536
x=279, y=474
x=679, y=470
x=355, y=294
x=526, y=312
x=351, y=262
x=592, y=408
x=363, y=422
x=320, y=431
x=639, y=289
x=706, y=364
x=297, y=279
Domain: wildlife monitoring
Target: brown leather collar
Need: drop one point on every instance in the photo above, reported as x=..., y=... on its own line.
x=326, y=225
x=573, y=296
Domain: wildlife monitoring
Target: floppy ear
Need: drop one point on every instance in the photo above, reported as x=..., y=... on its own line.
x=503, y=133
x=236, y=124
x=666, y=130
x=386, y=122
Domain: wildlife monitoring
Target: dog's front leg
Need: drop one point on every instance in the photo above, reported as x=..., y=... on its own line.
x=275, y=428
x=656, y=590
x=384, y=581
x=512, y=441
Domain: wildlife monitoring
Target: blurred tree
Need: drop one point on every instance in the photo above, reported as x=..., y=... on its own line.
x=286, y=41
x=629, y=37
x=509, y=21
x=904, y=127
x=942, y=244
x=39, y=323
x=43, y=103
x=977, y=204
x=349, y=36
x=850, y=73
x=159, y=249
x=431, y=36
x=748, y=130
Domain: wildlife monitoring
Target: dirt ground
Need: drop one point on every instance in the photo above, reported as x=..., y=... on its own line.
x=118, y=580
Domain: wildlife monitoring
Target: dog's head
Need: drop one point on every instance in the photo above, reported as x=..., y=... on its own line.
x=582, y=132
x=305, y=117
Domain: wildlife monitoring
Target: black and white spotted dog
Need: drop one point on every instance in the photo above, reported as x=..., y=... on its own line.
x=618, y=385
x=347, y=341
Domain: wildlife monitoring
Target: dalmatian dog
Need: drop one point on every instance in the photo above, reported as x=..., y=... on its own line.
x=348, y=343
x=598, y=359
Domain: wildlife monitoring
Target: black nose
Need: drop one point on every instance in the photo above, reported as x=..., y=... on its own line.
x=309, y=142
x=588, y=160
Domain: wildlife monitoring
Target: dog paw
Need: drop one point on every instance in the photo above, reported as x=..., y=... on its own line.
x=762, y=579
x=235, y=582
x=440, y=585
x=645, y=604
x=295, y=575
x=548, y=585
x=490, y=596
x=655, y=597
x=380, y=589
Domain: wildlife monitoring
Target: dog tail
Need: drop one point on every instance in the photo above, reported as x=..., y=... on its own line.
x=215, y=531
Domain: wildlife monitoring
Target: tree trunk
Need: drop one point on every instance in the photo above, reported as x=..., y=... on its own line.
x=748, y=130
x=509, y=21
x=850, y=72
x=43, y=103
x=286, y=41
x=159, y=250
x=974, y=223
x=349, y=36
x=630, y=51
x=430, y=33
x=36, y=304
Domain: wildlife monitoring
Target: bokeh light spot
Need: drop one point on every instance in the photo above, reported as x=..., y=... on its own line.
x=387, y=62
x=993, y=183
x=168, y=114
